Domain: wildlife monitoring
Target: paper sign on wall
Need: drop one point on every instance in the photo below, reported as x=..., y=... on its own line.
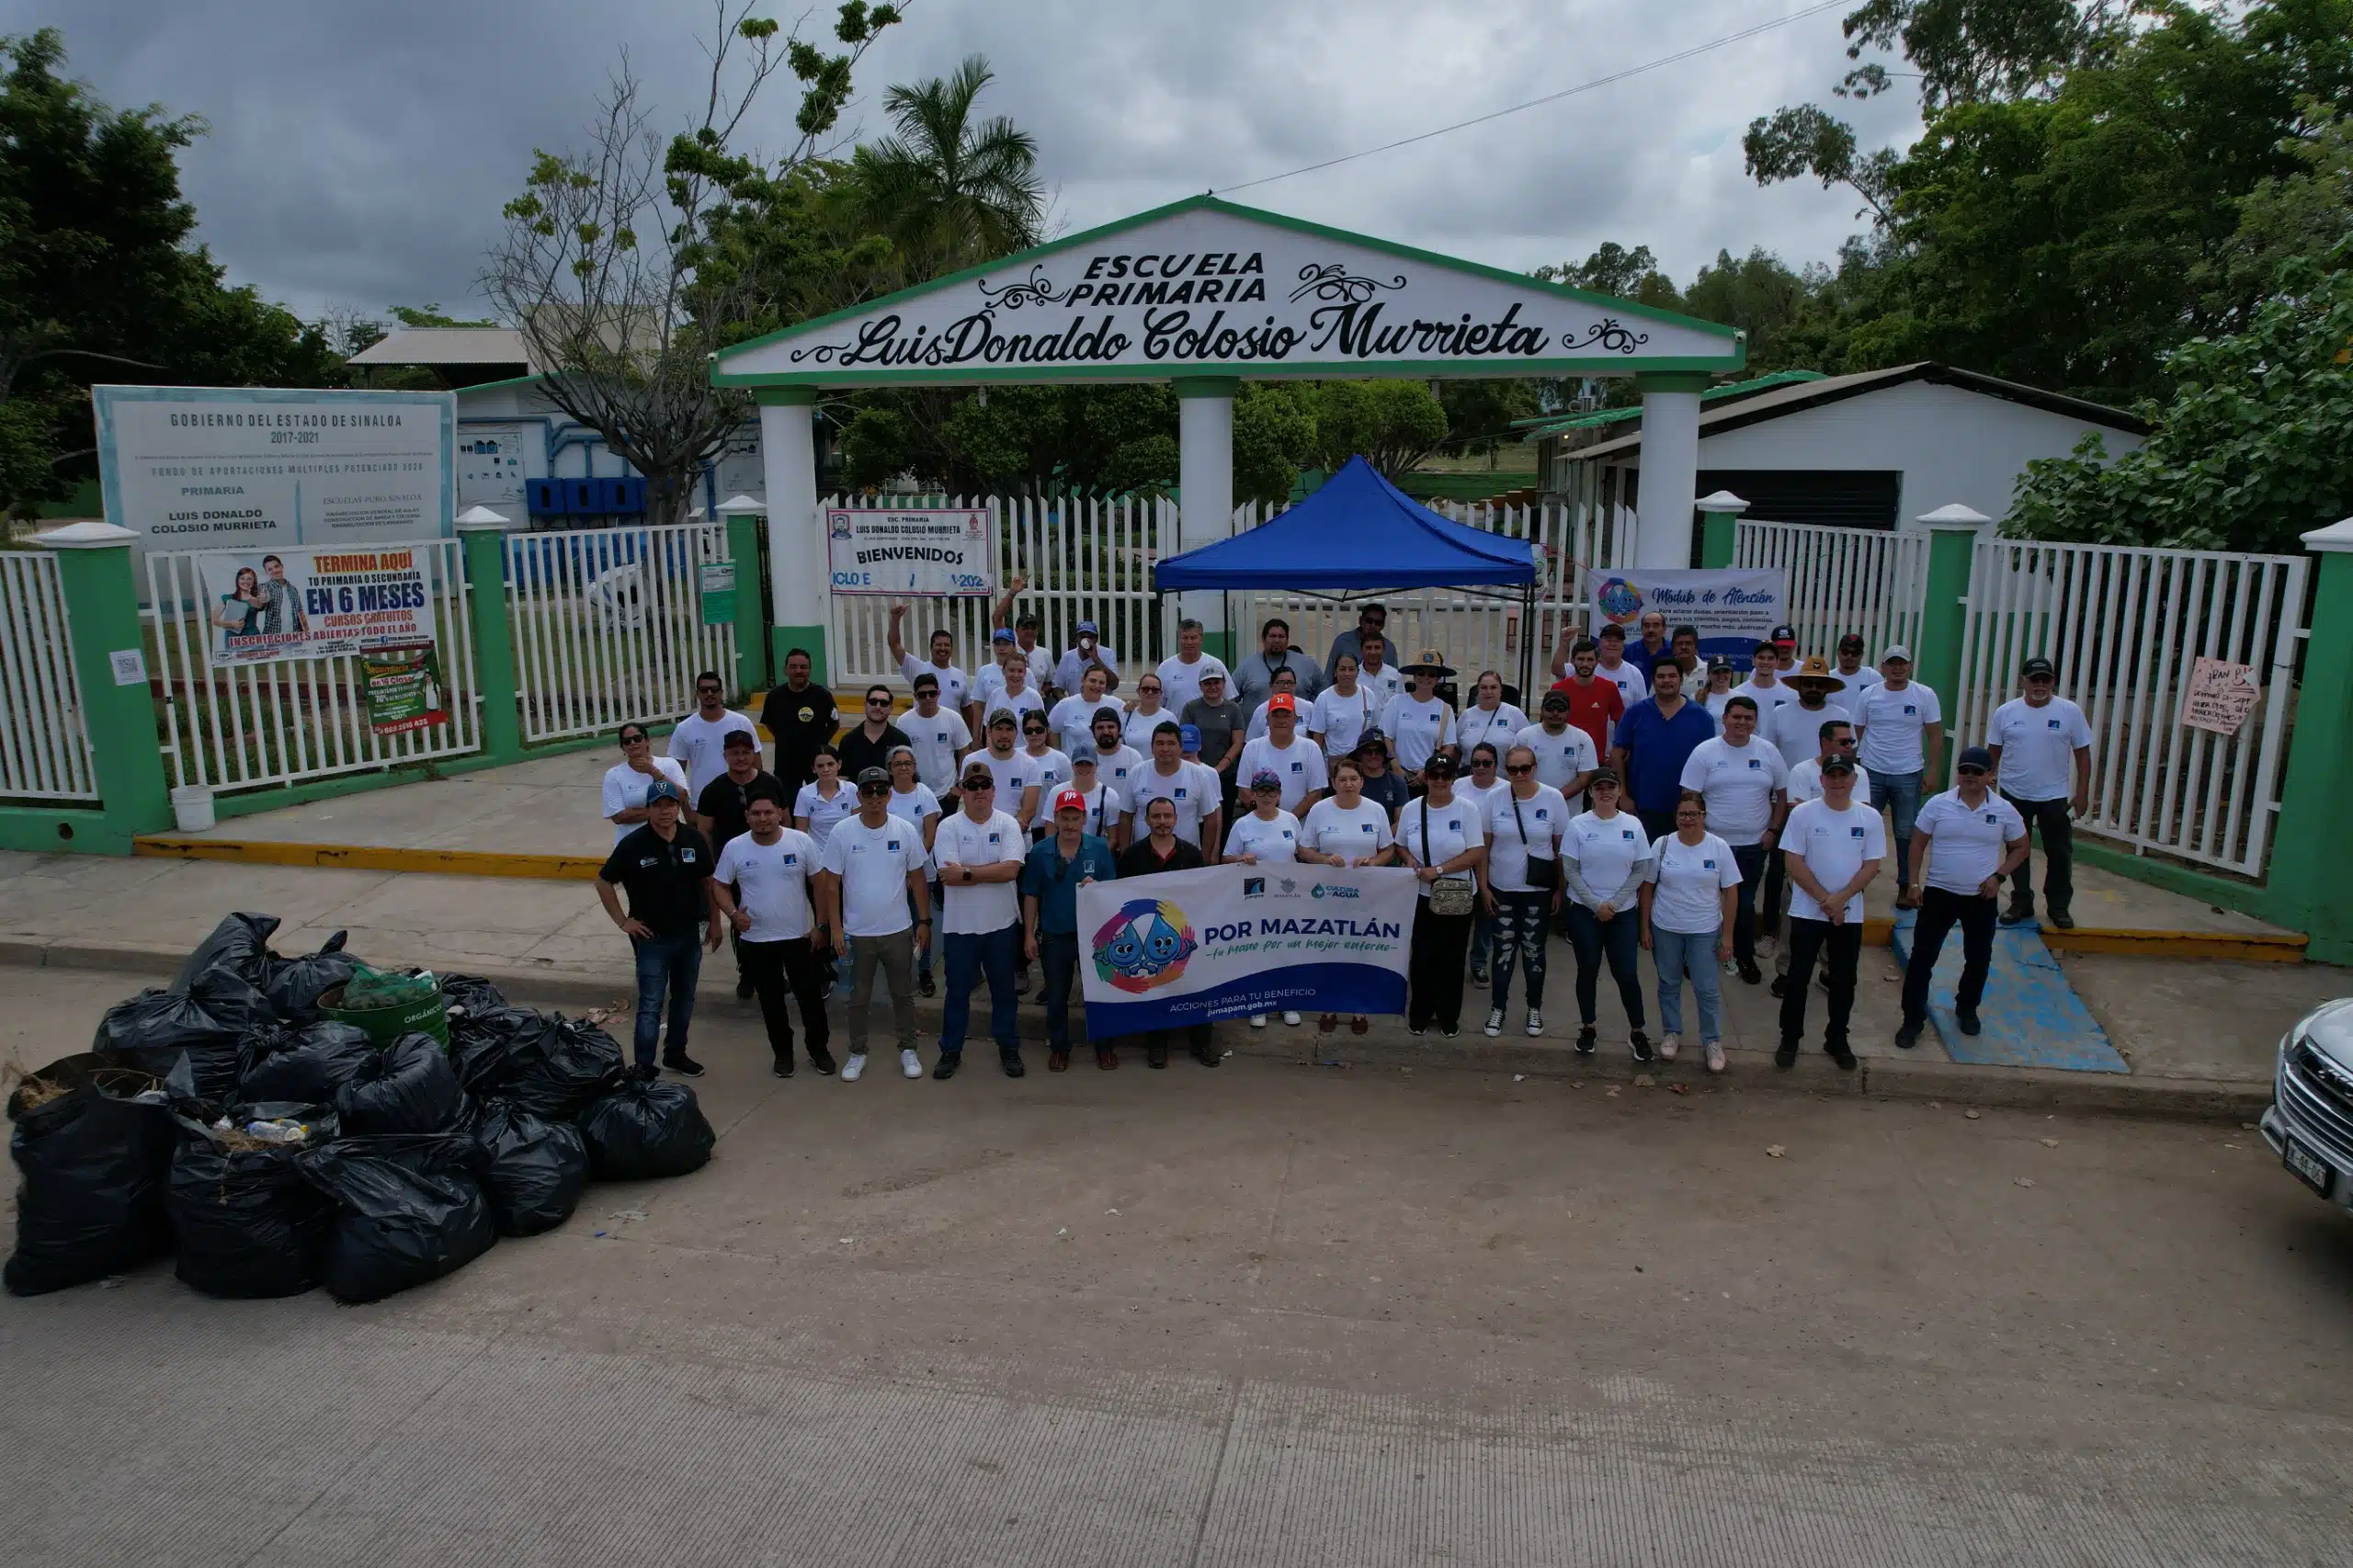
x=2220, y=697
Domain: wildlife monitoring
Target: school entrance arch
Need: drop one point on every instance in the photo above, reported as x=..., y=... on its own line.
x=1206, y=294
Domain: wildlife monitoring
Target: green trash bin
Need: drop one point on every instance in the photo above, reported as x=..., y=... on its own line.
x=427, y=1015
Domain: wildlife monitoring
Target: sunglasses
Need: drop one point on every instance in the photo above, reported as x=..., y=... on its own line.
x=972, y=784
x=1148, y=691
x=878, y=703
x=874, y=788
x=1518, y=767
x=711, y=691
x=635, y=740
x=1972, y=773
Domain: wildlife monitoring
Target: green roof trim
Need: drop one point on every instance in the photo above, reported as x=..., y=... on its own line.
x=1536, y=429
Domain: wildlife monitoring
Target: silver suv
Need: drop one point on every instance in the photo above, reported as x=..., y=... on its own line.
x=2310, y=1124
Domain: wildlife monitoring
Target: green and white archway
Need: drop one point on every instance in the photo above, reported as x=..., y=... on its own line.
x=1206, y=294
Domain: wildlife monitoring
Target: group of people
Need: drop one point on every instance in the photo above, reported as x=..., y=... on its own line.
x=1642, y=808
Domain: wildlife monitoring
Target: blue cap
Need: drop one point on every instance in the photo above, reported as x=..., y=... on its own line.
x=663, y=789
x=1974, y=756
x=1266, y=779
x=1001, y=635
x=1086, y=629
x=1188, y=736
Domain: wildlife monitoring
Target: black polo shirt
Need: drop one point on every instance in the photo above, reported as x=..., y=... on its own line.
x=663, y=880
x=722, y=805
x=858, y=752
x=802, y=722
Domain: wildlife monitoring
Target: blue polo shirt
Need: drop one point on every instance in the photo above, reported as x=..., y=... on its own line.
x=1053, y=881
x=1657, y=747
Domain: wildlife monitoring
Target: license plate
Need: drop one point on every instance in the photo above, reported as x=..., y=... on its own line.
x=2310, y=1168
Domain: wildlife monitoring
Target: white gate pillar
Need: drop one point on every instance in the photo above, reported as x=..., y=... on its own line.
x=800, y=579
x=1205, y=474
x=1670, y=470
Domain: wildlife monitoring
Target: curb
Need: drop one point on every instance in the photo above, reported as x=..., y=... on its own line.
x=367, y=858
x=1878, y=1077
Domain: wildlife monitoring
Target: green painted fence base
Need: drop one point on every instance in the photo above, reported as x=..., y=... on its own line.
x=36, y=830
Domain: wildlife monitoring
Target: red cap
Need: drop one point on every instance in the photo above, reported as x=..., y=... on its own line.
x=1281, y=702
x=1070, y=800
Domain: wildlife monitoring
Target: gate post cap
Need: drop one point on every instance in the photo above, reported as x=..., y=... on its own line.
x=2337, y=537
x=741, y=507
x=89, y=534
x=1721, y=501
x=1955, y=516
x=474, y=517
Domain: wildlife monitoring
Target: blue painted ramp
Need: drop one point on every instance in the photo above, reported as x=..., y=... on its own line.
x=2032, y=1018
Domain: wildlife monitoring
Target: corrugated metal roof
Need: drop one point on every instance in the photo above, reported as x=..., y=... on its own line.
x=447, y=346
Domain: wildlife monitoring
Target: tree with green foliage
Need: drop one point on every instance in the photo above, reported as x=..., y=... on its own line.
x=1392, y=425
x=1620, y=273
x=951, y=192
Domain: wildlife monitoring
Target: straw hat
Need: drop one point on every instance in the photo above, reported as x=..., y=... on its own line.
x=1817, y=668
x=1431, y=662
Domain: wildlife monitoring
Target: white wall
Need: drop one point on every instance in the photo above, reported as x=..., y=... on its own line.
x=1951, y=444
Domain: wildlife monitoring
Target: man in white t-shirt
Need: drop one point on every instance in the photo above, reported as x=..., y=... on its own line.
x=937, y=735
x=1743, y=781
x=1795, y=727
x=1081, y=655
x=2042, y=748
x=1376, y=672
x=1632, y=684
x=1181, y=672
x=874, y=891
x=1115, y=762
x=979, y=853
x=1014, y=773
x=1851, y=669
x=699, y=743
x=761, y=889
x=1900, y=737
x=1287, y=755
x=955, y=685
x=1833, y=848
x=1765, y=686
x=1963, y=843
x=1192, y=787
x=1565, y=758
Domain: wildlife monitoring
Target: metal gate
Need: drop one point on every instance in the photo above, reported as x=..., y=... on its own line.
x=44, y=743
x=1840, y=580
x=248, y=726
x=2125, y=626
x=609, y=626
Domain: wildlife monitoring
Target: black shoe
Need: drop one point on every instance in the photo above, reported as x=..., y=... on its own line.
x=1841, y=1055
x=645, y=1072
x=1013, y=1068
x=1586, y=1040
x=1780, y=985
x=1417, y=1029
x=1750, y=973
x=1478, y=975
x=822, y=1059
x=1908, y=1034
x=784, y=1068
x=685, y=1066
x=1448, y=1030
x=1021, y=984
x=2016, y=914
x=1968, y=1021
x=1787, y=1054
x=2060, y=918
x=945, y=1068
x=1641, y=1045
x=924, y=987
x=742, y=986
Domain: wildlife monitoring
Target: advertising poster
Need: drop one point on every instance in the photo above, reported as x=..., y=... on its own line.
x=1226, y=941
x=403, y=689
x=942, y=551
x=273, y=605
x=1731, y=611
x=205, y=468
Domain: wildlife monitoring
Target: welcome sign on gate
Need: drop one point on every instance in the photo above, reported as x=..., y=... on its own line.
x=931, y=551
x=1731, y=611
x=1227, y=942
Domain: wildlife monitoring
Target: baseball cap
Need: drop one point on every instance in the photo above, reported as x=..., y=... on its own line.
x=979, y=778
x=1281, y=702
x=1896, y=653
x=1106, y=711
x=1003, y=716
x=1086, y=629
x=735, y=738
x=1082, y=758
x=1784, y=636
x=1559, y=699
x=1372, y=739
x=1001, y=634
x=1612, y=629
x=1211, y=674
x=1266, y=779
x=1604, y=775
x=663, y=789
x=1070, y=800
x=1974, y=756
x=870, y=778
x=1851, y=644
x=1189, y=737
x=1440, y=765
x=1715, y=661
x=1835, y=763
x=2037, y=665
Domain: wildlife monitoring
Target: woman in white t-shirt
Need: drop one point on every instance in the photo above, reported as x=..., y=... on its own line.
x=911, y=799
x=1687, y=924
x=1719, y=692
x=627, y=780
x=825, y=800
x=1341, y=710
x=1417, y=723
x=1147, y=715
x=1602, y=860
x=1074, y=717
x=1050, y=767
x=1264, y=833
x=1489, y=717
x=1442, y=837
x=1525, y=821
x=1346, y=829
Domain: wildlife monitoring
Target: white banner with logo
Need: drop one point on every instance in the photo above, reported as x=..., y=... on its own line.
x=270, y=606
x=932, y=550
x=1731, y=611
x=1227, y=942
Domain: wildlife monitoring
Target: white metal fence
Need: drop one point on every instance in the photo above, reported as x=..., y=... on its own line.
x=607, y=624
x=248, y=726
x=45, y=744
x=1840, y=580
x=2124, y=626
x=1081, y=558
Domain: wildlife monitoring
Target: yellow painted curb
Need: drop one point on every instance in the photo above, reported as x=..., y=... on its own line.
x=371, y=857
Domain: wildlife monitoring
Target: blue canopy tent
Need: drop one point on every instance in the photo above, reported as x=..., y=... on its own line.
x=1358, y=536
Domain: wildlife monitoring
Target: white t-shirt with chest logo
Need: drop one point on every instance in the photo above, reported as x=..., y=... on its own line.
x=1689, y=880
x=873, y=863
x=982, y=907
x=1834, y=844
x=1544, y=817
x=1966, y=843
x=1300, y=766
x=771, y=883
x=1560, y=758
x=1737, y=783
x=936, y=740
x=2038, y=747
x=1608, y=850
x=1272, y=839
x=1193, y=790
x=1351, y=833
x=1435, y=834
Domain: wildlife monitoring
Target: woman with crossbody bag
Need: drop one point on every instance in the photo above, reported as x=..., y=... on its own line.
x=1525, y=823
x=1446, y=844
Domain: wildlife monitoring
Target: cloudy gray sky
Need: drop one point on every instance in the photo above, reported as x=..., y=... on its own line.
x=359, y=153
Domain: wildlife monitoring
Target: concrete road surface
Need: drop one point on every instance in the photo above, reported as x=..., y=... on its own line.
x=1263, y=1315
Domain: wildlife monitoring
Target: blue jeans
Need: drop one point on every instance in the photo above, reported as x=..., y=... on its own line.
x=1483, y=936
x=1750, y=858
x=1520, y=919
x=1621, y=938
x=969, y=957
x=1678, y=954
x=1899, y=793
x=668, y=963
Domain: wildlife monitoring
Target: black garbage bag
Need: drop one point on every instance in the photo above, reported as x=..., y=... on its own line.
x=544, y=1061
x=646, y=1127
x=406, y=1087
x=469, y=993
x=229, y=971
x=245, y=1222
x=296, y=985
x=310, y=1065
x=407, y=1210
x=533, y=1170
x=93, y=1159
x=149, y=1033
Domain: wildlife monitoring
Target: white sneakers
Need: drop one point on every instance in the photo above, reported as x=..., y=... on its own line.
x=1258, y=1020
x=854, y=1069
x=1494, y=1022
x=1668, y=1045
x=1535, y=1022
x=910, y=1064
x=1292, y=1018
x=1715, y=1055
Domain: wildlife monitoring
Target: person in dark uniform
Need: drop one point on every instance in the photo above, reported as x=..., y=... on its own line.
x=723, y=809
x=800, y=714
x=871, y=742
x=1162, y=850
x=666, y=869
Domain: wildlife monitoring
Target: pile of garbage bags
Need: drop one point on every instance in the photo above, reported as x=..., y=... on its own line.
x=221, y=1119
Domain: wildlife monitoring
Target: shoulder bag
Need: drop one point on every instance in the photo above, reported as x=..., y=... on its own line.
x=1449, y=895
x=1543, y=872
